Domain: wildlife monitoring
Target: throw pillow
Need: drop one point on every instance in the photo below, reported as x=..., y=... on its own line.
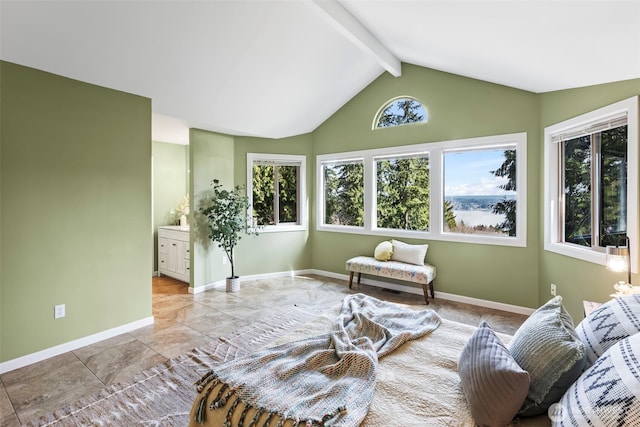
x=411, y=254
x=494, y=385
x=608, y=324
x=383, y=251
x=547, y=346
x=606, y=394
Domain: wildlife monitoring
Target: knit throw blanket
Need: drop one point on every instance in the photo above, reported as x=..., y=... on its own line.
x=324, y=380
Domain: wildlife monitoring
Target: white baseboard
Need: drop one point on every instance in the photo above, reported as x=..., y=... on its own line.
x=442, y=295
x=39, y=356
x=208, y=286
x=222, y=283
x=379, y=283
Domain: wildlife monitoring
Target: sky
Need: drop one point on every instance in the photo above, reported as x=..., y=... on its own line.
x=467, y=173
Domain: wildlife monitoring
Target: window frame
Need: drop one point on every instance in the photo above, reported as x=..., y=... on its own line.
x=553, y=196
x=435, y=152
x=279, y=160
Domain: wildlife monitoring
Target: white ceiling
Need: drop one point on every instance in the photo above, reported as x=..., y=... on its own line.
x=280, y=68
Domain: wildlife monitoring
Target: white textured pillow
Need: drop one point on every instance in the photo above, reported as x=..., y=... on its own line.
x=383, y=251
x=411, y=254
x=606, y=394
x=608, y=324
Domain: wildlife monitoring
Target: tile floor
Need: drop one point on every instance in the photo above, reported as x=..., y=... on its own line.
x=184, y=321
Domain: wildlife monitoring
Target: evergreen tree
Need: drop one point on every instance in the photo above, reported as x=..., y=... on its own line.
x=610, y=147
x=344, y=194
x=400, y=112
x=287, y=193
x=263, y=194
x=449, y=216
x=506, y=206
x=403, y=193
x=613, y=186
x=577, y=191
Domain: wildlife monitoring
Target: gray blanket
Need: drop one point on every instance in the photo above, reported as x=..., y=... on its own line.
x=328, y=379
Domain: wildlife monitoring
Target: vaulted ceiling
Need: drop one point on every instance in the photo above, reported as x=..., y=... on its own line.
x=280, y=68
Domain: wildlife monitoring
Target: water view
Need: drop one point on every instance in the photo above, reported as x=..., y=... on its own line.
x=477, y=210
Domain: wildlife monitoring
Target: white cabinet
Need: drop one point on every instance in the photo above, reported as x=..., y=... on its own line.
x=173, y=252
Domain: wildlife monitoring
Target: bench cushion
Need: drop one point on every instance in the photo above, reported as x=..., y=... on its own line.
x=392, y=269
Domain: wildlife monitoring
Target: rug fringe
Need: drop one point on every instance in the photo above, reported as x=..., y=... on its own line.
x=226, y=393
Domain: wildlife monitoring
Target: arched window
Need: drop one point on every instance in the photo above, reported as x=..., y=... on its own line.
x=400, y=111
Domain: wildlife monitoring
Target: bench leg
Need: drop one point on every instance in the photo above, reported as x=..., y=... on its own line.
x=433, y=294
x=359, y=275
x=426, y=294
x=350, y=279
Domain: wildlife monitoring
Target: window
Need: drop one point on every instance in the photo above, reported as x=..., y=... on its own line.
x=400, y=111
x=402, y=192
x=343, y=193
x=594, y=184
x=429, y=191
x=480, y=191
x=591, y=164
x=276, y=186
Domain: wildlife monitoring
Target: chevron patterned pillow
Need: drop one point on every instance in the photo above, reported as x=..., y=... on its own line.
x=606, y=394
x=611, y=322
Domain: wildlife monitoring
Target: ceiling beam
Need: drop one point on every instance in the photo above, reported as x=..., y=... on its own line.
x=359, y=35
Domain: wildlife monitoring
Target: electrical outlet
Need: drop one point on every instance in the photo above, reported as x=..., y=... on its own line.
x=553, y=289
x=58, y=311
x=224, y=260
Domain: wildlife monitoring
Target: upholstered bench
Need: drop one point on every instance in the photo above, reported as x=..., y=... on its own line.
x=423, y=274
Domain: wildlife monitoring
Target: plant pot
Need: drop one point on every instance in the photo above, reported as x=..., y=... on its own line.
x=233, y=284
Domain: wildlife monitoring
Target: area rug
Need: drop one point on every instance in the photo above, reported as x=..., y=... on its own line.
x=164, y=394
x=416, y=385
x=324, y=379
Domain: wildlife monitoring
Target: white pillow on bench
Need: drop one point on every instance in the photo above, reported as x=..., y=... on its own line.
x=411, y=254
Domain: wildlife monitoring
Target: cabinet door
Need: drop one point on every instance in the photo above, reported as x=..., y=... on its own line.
x=162, y=245
x=179, y=257
x=185, y=250
x=163, y=262
x=175, y=246
x=187, y=266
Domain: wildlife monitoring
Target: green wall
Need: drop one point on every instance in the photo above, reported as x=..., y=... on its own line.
x=170, y=185
x=458, y=107
x=578, y=280
x=224, y=157
x=211, y=157
x=274, y=251
x=75, y=198
x=75, y=210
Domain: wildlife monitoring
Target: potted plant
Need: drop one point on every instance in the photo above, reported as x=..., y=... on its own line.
x=226, y=215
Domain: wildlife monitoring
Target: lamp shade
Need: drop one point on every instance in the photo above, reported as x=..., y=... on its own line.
x=617, y=258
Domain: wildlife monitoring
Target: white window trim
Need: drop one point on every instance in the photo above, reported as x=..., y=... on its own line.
x=435, y=151
x=552, y=196
x=302, y=192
